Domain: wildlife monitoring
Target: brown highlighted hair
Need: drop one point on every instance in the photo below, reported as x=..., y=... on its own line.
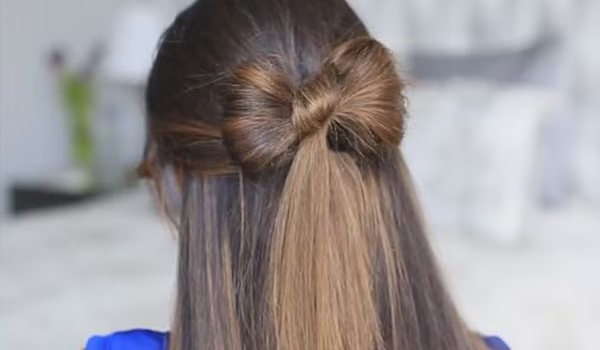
x=280, y=121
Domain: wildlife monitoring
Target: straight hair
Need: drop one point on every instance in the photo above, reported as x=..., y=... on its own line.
x=298, y=229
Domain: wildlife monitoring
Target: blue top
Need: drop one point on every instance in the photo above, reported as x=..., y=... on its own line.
x=130, y=340
x=148, y=340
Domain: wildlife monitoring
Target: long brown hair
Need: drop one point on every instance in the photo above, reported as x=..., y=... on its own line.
x=281, y=121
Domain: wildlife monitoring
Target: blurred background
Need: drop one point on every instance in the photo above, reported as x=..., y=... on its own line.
x=503, y=143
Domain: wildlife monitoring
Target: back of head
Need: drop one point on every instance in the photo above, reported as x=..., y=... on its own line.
x=281, y=120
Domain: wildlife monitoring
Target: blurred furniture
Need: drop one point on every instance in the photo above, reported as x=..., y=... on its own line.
x=28, y=197
x=473, y=149
x=52, y=191
x=475, y=28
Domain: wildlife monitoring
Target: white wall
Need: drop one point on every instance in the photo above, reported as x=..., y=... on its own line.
x=32, y=135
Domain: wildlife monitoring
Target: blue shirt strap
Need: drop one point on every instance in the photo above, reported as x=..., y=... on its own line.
x=495, y=343
x=138, y=339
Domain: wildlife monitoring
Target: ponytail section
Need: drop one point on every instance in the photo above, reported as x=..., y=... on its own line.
x=320, y=268
x=328, y=130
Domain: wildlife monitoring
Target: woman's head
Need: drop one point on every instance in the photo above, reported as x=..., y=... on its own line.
x=267, y=74
x=281, y=120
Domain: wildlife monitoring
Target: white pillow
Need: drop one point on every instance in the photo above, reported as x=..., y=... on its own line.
x=473, y=150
